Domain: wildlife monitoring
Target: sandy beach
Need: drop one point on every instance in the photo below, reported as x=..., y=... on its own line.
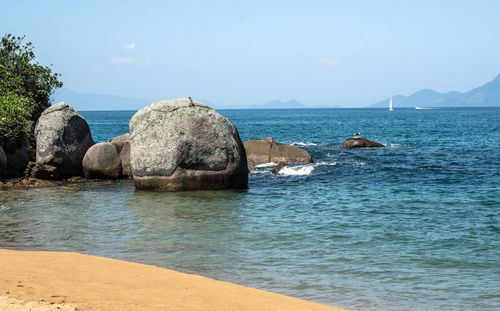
x=46, y=281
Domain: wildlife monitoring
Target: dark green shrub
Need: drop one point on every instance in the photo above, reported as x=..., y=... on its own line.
x=25, y=89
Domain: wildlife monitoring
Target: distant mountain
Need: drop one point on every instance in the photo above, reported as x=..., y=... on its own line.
x=487, y=95
x=87, y=101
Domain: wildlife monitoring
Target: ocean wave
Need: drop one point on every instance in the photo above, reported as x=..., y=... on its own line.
x=302, y=144
x=297, y=170
x=266, y=165
x=4, y=208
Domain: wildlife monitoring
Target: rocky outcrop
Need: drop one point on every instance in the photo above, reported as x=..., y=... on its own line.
x=122, y=145
x=102, y=161
x=182, y=144
x=3, y=162
x=62, y=139
x=266, y=150
x=360, y=142
x=278, y=168
x=41, y=171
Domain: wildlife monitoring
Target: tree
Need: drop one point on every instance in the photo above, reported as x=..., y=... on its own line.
x=25, y=89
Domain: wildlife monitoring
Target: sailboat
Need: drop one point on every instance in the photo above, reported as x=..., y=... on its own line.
x=390, y=105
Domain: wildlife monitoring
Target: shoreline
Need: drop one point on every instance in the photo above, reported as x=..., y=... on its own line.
x=72, y=281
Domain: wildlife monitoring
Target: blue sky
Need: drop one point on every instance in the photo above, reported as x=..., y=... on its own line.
x=231, y=53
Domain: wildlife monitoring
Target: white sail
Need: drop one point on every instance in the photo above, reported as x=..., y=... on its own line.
x=390, y=105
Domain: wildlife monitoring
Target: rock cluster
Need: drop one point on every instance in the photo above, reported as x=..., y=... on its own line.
x=178, y=144
x=266, y=150
x=182, y=144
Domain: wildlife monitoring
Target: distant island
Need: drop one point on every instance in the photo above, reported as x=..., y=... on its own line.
x=487, y=95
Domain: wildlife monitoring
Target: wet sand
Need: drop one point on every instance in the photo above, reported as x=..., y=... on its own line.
x=46, y=281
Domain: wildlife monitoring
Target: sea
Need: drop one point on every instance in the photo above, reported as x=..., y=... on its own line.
x=412, y=226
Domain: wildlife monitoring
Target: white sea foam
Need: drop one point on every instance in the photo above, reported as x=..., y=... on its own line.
x=4, y=208
x=265, y=165
x=323, y=163
x=302, y=144
x=297, y=170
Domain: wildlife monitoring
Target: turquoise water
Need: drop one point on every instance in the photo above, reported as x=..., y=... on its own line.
x=414, y=226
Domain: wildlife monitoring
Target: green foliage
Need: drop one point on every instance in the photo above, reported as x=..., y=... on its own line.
x=25, y=89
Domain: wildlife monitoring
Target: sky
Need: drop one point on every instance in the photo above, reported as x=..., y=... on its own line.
x=239, y=53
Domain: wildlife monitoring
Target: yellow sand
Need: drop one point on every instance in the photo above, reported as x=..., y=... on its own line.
x=46, y=281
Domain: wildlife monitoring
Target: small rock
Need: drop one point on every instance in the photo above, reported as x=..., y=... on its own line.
x=122, y=138
x=122, y=145
x=278, y=167
x=360, y=142
x=102, y=161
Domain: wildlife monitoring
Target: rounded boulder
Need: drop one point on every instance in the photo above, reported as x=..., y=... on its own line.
x=102, y=161
x=182, y=144
x=62, y=139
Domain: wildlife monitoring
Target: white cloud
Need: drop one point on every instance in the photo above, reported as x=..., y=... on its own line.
x=129, y=46
x=331, y=62
x=122, y=60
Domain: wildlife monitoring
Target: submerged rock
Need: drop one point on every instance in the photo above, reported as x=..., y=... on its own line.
x=102, y=161
x=266, y=150
x=278, y=168
x=182, y=144
x=62, y=139
x=360, y=142
x=29, y=182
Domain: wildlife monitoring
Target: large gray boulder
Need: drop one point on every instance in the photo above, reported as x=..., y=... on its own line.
x=266, y=150
x=102, y=161
x=182, y=144
x=3, y=162
x=122, y=145
x=62, y=139
x=360, y=142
